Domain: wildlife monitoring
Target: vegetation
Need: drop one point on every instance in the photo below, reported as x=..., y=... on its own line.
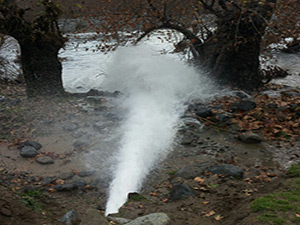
x=281, y=207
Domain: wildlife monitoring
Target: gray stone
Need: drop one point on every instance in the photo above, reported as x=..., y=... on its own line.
x=34, y=144
x=65, y=187
x=45, y=160
x=66, y=175
x=228, y=170
x=70, y=127
x=28, y=152
x=181, y=191
x=118, y=220
x=86, y=173
x=47, y=180
x=70, y=218
x=244, y=105
x=93, y=217
x=79, y=144
x=203, y=111
x=191, y=171
x=189, y=137
x=251, y=138
x=151, y=219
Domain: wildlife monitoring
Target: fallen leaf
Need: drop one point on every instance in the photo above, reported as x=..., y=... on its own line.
x=205, y=202
x=211, y=213
x=298, y=215
x=153, y=194
x=51, y=190
x=199, y=179
x=164, y=200
x=218, y=217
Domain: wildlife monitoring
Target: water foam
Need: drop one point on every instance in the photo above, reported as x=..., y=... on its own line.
x=155, y=89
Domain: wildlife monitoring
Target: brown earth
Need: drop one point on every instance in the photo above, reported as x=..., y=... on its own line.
x=50, y=121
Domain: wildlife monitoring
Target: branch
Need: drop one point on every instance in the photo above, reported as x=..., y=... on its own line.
x=187, y=33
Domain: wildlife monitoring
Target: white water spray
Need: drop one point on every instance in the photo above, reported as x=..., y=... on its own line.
x=155, y=89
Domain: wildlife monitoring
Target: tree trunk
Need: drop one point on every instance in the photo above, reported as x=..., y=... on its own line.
x=41, y=67
x=232, y=53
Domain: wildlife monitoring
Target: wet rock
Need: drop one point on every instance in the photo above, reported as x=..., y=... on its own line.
x=251, y=138
x=191, y=171
x=93, y=217
x=118, y=220
x=70, y=127
x=33, y=144
x=66, y=175
x=70, y=218
x=102, y=127
x=65, y=187
x=44, y=160
x=47, y=180
x=80, y=183
x=203, y=111
x=244, y=105
x=79, y=144
x=153, y=219
x=189, y=137
x=86, y=173
x=228, y=170
x=181, y=191
x=28, y=152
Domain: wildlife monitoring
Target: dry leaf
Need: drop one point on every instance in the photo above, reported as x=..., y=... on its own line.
x=211, y=213
x=51, y=190
x=199, y=179
x=205, y=202
x=218, y=217
x=298, y=215
x=153, y=194
x=164, y=200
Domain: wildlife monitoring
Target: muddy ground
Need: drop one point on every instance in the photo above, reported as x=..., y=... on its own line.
x=79, y=135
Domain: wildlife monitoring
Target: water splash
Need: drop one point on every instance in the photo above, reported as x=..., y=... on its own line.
x=155, y=89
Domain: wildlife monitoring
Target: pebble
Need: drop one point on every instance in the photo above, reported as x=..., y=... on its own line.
x=28, y=152
x=251, y=138
x=33, y=144
x=70, y=218
x=44, y=160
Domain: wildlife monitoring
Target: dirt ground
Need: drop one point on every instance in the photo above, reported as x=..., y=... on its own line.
x=70, y=133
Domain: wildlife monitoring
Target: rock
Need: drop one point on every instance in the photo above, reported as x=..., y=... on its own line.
x=79, y=144
x=118, y=220
x=228, y=170
x=28, y=152
x=151, y=219
x=70, y=218
x=86, y=173
x=250, y=138
x=191, y=171
x=34, y=144
x=65, y=187
x=47, y=180
x=189, y=137
x=80, y=183
x=66, y=175
x=181, y=191
x=102, y=127
x=93, y=217
x=45, y=160
x=6, y=212
x=244, y=105
x=203, y=111
x=70, y=127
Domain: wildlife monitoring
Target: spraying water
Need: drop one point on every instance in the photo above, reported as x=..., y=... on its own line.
x=155, y=89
